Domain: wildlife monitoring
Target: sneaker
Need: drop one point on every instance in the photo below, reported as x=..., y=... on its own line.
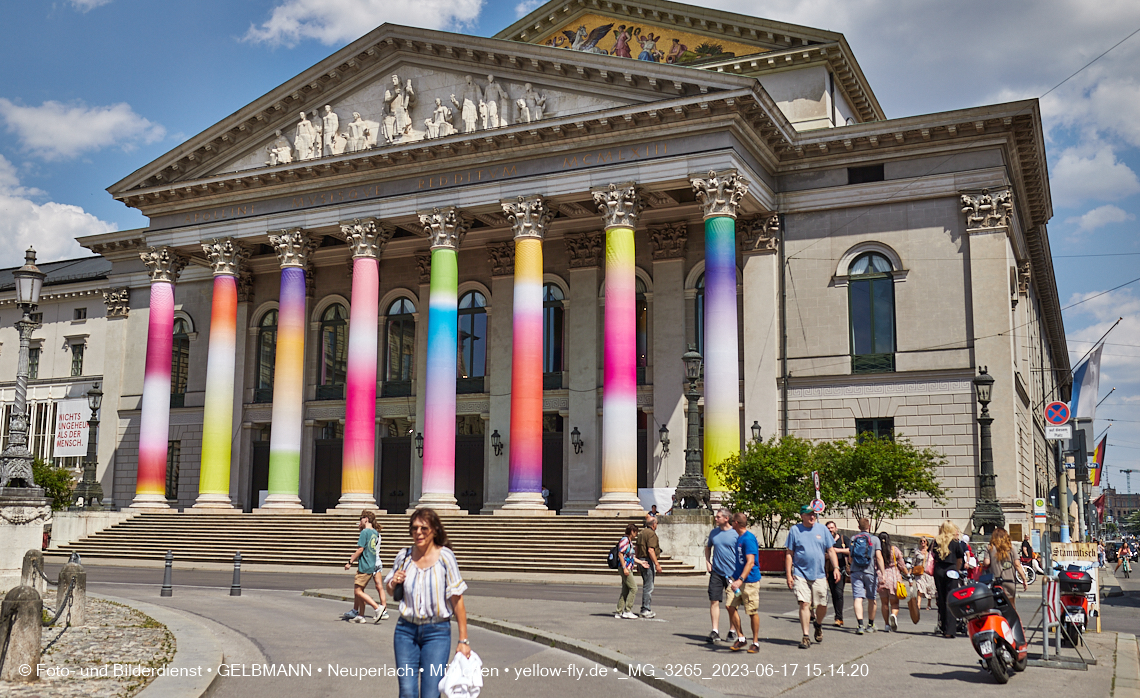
x=805, y=643
x=629, y=614
x=894, y=621
x=871, y=628
x=617, y=615
x=648, y=614
x=350, y=615
x=754, y=648
x=379, y=616
x=358, y=619
x=739, y=645
x=714, y=637
x=818, y=632
x=839, y=623
x=384, y=614
x=859, y=630
x=732, y=636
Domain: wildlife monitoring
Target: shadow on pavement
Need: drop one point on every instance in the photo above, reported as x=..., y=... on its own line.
x=977, y=677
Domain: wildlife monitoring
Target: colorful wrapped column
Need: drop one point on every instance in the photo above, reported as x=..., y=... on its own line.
x=529, y=216
x=619, y=206
x=719, y=196
x=164, y=265
x=293, y=250
x=225, y=256
x=445, y=228
x=358, y=467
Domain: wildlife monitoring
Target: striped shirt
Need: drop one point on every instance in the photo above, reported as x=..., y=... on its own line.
x=427, y=593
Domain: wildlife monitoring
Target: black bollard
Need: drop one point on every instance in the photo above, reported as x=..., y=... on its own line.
x=235, y=588
x=167, y=589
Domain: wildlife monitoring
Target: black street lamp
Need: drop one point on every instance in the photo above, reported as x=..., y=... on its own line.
x=987, y=512
x=756, y=431
x=692, y=489
x=16, y=460
x=420, y=445
x=663, y=434
x=89, y=489
x=497, y=443
x=576, y=440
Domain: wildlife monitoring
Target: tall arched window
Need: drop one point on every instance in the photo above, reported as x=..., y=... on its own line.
x=642, y=331
x=266, y=356
x=334, y=353
x=699, y=315
x=179, y=362
x=400, y=351
x=472, y=364
x=872, y=302
x=552, y=336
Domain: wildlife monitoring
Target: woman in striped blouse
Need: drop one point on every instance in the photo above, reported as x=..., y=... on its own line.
x=432, y=594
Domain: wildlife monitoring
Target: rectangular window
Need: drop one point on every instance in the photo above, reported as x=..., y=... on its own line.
x=882, y=427
x=80, y=314
x=173, y=455
x=76, y=359
x=33, y=363
x=867, y=173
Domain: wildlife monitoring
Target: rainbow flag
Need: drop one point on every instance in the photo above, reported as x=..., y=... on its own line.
x=1098, y=458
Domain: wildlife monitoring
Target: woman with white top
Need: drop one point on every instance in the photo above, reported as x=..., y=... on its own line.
x=432, y=592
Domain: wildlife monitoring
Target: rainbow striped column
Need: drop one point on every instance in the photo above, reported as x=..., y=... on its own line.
x=445, y=228
x=293, y=248
x=619, y=206
x=164, y=265
x=529, y=217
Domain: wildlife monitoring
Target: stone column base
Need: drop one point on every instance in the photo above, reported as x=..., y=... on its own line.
x=354, y=502
x=150, y=501
x=524, y=503
x=282, y=501
x=213, y=503
x=442, y=502
x=618, y=504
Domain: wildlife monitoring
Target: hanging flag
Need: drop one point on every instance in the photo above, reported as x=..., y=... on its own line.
x=1099, y=504
x=1098, y=457
x=1086, y=386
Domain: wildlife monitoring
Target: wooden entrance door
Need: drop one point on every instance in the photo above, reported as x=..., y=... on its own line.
x=469, y=472
x=259, y=474
x=327, y=457
x=396, y=474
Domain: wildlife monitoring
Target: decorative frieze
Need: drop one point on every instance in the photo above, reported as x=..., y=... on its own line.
x=760, y=233
x=668, y=241
x=880, y=389
x=529, y=216
x=584, y=250
x=118, y=302
x=225, y=255
x=445, y=227
x=163, y=263
x=366, y=238
x=423, y=264
x=719, y=194
x=502, y=256
x=618, y=205
x=986, y=211
x=293, y=247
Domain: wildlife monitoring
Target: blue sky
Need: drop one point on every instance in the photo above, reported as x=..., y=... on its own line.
x=95, y=89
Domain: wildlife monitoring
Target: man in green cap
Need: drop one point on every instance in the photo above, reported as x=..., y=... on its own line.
x=809, y=545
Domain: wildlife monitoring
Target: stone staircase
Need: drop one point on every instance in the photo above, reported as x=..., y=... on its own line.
x=549, y=545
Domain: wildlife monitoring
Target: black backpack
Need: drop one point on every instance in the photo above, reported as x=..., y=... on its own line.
x=613, y=559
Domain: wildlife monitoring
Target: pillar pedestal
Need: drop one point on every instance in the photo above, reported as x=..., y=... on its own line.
x=213, y=502
x=23, y=513
x=441, y=502
x=354, y=501
x=524, y=504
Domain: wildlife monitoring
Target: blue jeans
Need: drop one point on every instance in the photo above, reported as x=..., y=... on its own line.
x=426, y=647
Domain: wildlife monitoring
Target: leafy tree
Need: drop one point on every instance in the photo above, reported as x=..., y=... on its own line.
x=882, y=477
x=57, y=482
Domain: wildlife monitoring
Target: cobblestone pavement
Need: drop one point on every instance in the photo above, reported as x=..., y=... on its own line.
x=97, y=660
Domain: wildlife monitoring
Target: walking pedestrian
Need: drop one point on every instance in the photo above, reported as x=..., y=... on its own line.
x=809, y=545
x=629, y=563
x=866, y=565
x=893, y=573
x=745, y=583
x=431, y=593
x=648, y=548
x=923, y=581
x=367, y=568
x=1004, y=565
x=720, y=562
x=949, y=554
x=841, y=545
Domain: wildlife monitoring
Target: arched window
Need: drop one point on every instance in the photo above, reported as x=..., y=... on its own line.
x=699, y=315
x=334, y=353
x=642, y=330
x=400, y=353
x=266, y=356
x=552, y=336
x=872, y=302
x=472, y=364
x=179, y=362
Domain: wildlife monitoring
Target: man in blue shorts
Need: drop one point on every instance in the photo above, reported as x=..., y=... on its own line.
x=720, y=561
x=866, y=565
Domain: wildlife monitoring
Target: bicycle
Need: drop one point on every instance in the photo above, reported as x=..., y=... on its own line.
x=1127, y=568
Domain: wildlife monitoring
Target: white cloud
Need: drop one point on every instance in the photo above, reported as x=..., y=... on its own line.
x=1099, y=217
x=1082, y=173
x=88, y=5
x=50, y=227
x=337, y=21
x=55, y=130
x=526, y=7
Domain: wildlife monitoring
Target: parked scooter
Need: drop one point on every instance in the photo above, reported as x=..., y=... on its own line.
x=1075, y=586
x=993, y=626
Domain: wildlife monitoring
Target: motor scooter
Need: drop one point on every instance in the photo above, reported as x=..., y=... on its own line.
x=1075, y=585
x=993, y=626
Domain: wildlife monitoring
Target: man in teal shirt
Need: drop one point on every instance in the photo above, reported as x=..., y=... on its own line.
x=365, y=559
x=809, y=544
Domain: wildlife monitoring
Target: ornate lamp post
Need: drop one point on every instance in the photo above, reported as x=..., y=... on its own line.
x=663, y=434
x=16, y=461
x=89, y=489
x=692, y=489
x=987, y=512
x=756, y=431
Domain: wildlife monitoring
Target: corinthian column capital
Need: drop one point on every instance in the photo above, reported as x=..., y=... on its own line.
x=529, y=216
x=293, y=247
x=225, y=255
x=618, y=205
x=720, y=193
x=366, y=238
x=445, y=227
x=163, y=263
x=987, y=211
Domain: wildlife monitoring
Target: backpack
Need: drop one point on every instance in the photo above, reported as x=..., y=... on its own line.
x=861, y=550
x=614, y=557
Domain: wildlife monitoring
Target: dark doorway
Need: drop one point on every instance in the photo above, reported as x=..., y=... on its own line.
x=552, y=459
x=642, y=451
x=396, y=474
x=469, y=472
x=259, y=474
x=327, y=458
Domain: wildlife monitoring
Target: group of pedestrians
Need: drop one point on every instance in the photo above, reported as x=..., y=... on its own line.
x=638, y=552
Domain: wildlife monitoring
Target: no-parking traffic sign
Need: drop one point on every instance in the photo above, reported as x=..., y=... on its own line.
x=1056, y=413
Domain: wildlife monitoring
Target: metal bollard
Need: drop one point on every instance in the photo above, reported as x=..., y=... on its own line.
x=167, y=589
x=22, y=654
x=29, y=577
x=78, y=593
x=235, y=588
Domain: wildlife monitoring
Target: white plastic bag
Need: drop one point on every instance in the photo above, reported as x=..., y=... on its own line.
x=463, y=678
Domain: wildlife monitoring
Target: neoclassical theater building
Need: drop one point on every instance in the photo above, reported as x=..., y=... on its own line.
x=458, y=271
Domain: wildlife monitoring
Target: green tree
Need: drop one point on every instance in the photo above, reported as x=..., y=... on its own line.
x=882, y=477
x=57, y=482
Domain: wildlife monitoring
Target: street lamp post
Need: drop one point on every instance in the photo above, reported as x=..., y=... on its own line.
x=89, y=489
x=987, y=512
x=16, y=460
x=692, y=489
